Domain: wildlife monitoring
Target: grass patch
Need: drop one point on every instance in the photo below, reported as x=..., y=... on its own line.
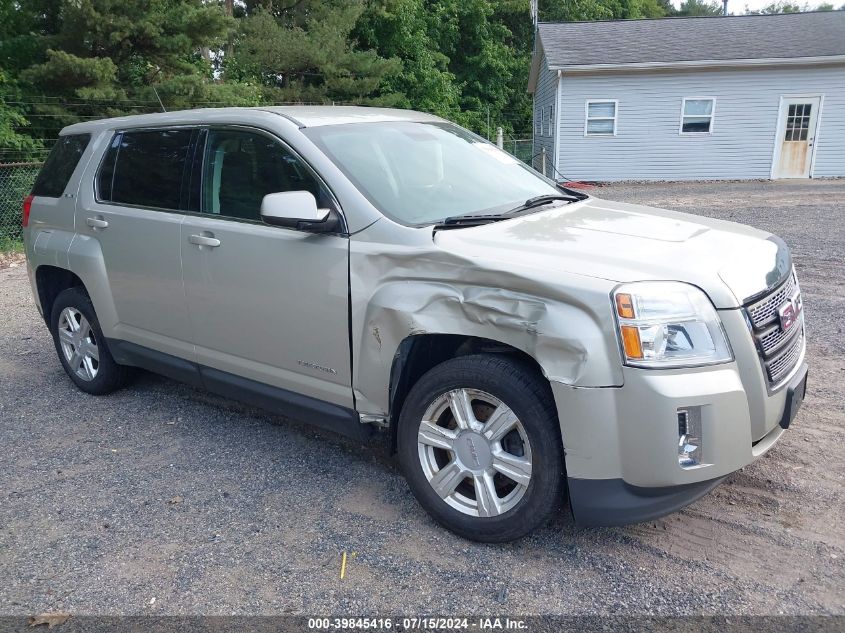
x=10, y=244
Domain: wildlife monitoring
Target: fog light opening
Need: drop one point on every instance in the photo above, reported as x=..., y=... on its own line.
x=689, y=437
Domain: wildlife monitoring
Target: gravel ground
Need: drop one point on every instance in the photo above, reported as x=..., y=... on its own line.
x=161, y=499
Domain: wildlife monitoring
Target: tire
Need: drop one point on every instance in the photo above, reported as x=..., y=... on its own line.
x=446, y=448
x=97, y=376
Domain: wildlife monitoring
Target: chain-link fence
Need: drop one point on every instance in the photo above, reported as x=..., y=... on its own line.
x=16, y=181
x=522, y=148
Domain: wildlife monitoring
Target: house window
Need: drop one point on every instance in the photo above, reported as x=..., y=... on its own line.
x=697, y=115
x=601, y=118
x=538, y=122
x=551, y=118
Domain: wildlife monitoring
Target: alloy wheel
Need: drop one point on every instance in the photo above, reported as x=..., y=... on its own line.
x=79, y=344
x=474, y=452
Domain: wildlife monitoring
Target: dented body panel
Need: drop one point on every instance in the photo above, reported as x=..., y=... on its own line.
x=403, y=290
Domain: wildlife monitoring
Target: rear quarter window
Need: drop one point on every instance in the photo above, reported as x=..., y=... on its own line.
x=58, y=168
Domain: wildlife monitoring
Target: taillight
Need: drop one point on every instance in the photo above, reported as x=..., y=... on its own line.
x=27, y=207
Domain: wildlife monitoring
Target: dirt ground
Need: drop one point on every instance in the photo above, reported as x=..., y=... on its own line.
x=161, y=499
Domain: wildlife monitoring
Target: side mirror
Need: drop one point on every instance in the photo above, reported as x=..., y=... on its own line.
x=297, y=210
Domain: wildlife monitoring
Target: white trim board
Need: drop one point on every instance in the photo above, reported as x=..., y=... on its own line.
x=702, y=63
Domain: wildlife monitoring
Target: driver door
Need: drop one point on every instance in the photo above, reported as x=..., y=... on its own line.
x=266, y=303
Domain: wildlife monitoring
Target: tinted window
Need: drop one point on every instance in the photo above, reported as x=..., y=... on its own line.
x=105, y=177
x=243, y=167
x=145, y=168
x=59, y=166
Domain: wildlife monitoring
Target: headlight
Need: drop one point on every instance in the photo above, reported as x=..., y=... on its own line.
x=669, y=324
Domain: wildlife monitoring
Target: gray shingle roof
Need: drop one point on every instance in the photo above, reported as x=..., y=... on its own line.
x=693, y=39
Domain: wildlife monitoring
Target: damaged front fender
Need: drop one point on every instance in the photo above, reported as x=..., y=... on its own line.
x=402, y=290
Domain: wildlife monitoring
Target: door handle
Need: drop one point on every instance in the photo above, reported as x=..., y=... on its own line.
x=204, y=240
x=96, y=223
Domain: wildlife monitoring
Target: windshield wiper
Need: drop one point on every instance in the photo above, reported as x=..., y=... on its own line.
x=539, y=201
x=460, y=221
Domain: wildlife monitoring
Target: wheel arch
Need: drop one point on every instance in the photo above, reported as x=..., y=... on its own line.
x=50, y=281
x=418, y=353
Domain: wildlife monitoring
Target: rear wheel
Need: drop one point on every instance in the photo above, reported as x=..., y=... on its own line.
x=81, y=346
x=479, y=443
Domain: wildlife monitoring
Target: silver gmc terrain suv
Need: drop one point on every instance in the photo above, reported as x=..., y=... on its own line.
x=364, y=269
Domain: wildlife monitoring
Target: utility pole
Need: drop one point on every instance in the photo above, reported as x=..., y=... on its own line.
x=724, y=7
x=488, y=123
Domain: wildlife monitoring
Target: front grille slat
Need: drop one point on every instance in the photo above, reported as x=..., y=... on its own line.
x=773, y=339
x=765, y=310
x=780, y=366
x=779, y=349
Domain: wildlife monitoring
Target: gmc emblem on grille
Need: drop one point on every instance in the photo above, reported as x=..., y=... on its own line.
x=789, y=312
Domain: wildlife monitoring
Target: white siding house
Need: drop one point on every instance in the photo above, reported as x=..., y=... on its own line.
x=737, y=97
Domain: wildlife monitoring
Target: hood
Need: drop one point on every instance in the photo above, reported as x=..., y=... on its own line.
x=623, y=242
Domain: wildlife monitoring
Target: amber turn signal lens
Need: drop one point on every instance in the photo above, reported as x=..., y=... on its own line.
x=631, y=341
x=625, y=306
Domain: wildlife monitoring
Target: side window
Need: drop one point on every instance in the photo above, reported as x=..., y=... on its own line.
x=600, y=118
x=242, y=167
x=58, y=168
x=697, y=115
x=145, y=168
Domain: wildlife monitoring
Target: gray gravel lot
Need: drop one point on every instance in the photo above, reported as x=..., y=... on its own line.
x=161, y=499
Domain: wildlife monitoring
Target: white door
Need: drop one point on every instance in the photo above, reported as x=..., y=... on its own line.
x=796, y=137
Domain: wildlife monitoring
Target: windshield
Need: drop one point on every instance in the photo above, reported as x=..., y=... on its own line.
x=421, y=173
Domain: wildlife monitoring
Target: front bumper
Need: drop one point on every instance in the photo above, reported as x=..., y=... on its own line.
x=605, y=502
x=621, y=443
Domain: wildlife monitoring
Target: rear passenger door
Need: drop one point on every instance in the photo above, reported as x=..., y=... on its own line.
x=266, y=303
x=134, y=216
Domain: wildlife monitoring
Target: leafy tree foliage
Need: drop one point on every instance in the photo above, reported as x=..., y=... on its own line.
x=467, y=60
x=698, y=8
x=784, y=6
x=111, y=56
x=308, y=55
x=14, y=145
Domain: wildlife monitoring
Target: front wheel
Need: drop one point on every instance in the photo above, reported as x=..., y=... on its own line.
x=479, y=442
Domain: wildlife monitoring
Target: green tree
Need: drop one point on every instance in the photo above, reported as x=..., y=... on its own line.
x=94, y=58
x=399, y=29
x=571, y=10
x=784, y=6
x=299, y=55
x=15, y=146
x=698, y=8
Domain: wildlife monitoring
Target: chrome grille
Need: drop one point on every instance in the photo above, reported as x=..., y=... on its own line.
x=779, y=349
x=772, y=338
x=780, y=366
x=765, y=310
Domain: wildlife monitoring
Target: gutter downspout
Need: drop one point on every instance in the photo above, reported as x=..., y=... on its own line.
x=556, y=158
